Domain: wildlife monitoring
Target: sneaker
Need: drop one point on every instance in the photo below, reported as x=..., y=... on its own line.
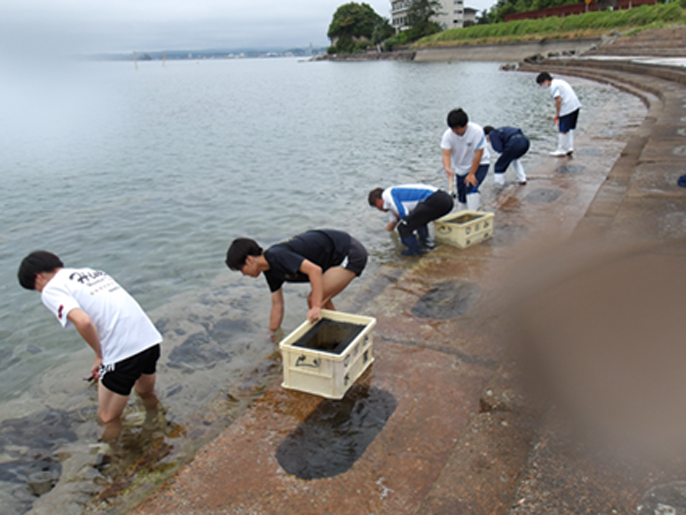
x=413, y=247
x=412, y=252
x=558, y=153
x=427, y=244
x=569, y=153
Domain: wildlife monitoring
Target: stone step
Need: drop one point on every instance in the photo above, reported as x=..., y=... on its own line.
x=658, y=42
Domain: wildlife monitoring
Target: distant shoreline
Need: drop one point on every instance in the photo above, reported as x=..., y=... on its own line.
x=184, y=55
x=500, y=52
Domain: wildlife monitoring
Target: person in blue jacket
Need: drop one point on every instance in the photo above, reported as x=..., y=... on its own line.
x=511, y=144
x=411, y=207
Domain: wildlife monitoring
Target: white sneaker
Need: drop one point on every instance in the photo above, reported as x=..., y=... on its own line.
x=562, y=145
x=473, y=201
x=521, y=175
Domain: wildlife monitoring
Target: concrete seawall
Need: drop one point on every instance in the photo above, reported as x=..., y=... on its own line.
x=505, y=52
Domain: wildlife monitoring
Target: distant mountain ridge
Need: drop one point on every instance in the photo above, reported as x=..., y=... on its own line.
x=209, y=54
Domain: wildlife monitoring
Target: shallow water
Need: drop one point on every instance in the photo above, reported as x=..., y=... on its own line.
x=329, y=336
x=150, y=173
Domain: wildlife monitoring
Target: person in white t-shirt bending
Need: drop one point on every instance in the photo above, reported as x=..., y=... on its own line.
x=125, y=341
x=465, y=157
x=567, y=107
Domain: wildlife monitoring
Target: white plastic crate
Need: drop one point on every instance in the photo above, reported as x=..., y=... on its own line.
x=464, y=228
x=328, y=373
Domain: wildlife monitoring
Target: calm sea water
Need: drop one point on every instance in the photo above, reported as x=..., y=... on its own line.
x=149, y=173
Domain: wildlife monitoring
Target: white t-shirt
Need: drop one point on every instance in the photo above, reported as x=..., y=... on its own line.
x=570, y=102
x=462, y=148
x=123, y=326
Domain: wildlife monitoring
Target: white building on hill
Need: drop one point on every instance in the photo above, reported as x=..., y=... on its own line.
x=453, y=14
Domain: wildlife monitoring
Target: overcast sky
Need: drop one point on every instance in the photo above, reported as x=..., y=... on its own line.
x=151, y=25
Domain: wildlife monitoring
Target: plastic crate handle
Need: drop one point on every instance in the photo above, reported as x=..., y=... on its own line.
x=300, y=362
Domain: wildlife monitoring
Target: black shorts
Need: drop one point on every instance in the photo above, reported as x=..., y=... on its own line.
x=356, y=259
x=434, y=206
x=121, y=376
x=568, y=121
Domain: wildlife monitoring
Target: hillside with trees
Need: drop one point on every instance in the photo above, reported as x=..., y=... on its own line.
x=355, y=27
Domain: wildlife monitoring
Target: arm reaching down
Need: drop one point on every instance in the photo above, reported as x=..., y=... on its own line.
x=86, y=328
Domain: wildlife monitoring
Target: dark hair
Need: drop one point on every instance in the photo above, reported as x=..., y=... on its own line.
x=35, y=263
x=374, y=195
x=542, y=77
x=457, y=118
x=240, y=249
x=488, y=128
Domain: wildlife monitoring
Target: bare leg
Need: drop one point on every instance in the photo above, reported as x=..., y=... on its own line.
x=335, y=280
x=145, y=388
x=111, y=406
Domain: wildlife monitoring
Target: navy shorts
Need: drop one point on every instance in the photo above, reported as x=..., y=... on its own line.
x=568, y=121
x=121, y=376
x=463, y=190
x=356, y=259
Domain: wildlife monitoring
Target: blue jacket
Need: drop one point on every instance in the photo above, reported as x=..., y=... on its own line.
x=402, y=200
x=500, y=137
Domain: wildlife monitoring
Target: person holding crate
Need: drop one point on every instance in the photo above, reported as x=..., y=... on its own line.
x=328, y=259
x=465, y=158
x=411, y=207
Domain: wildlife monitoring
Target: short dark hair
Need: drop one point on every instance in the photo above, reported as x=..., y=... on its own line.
x=488, y=128
x=374, y=195
x=457, y=118
x=239, y=250
x=542, y=77
x=37, y=262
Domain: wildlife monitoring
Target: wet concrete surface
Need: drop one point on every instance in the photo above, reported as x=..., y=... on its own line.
x=447, y=300
x=336, y=434
x=239, y=472
x=441, y=422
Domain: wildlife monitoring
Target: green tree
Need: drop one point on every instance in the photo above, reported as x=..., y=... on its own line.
x=419, y=18
x=354, y=26
x=484, y=18
x=382, y=31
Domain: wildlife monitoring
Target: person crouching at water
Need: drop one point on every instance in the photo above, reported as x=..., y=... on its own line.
x=328, y=259
x=125, y=341
x=411, y=207
x=465, y=157
x=511, y=144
